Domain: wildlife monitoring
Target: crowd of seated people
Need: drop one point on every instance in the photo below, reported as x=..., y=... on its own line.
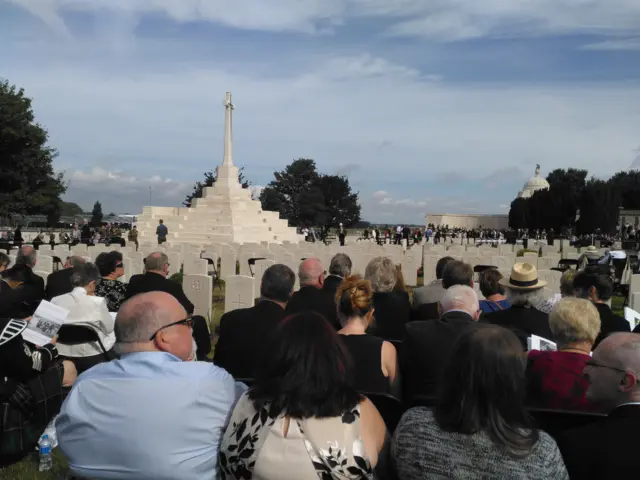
x=300, y=384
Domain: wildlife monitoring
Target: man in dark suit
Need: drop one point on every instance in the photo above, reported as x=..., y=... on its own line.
x=598, y=288
x=155, y=280
x=339, y=269
x=608, y=448
x=427, y=343
x=524, y=291
x=59, y=283
x=311, y=296
x=243, y=332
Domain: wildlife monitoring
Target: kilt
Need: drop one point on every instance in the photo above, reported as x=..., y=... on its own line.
x=26, y=413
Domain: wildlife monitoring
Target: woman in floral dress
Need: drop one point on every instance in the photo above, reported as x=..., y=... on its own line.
x=302, y=419
x=111, y=268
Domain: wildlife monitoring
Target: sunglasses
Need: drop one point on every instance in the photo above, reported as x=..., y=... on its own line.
x=120, y=265
x=187, y=321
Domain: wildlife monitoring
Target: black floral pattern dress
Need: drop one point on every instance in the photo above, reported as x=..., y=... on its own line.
x=254, y=447
x=113, y=291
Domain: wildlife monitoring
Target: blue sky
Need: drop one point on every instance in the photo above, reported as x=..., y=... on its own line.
x=428, y=106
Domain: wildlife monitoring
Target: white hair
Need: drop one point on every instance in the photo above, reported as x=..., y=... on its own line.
x=460, y=297
x=526, y=298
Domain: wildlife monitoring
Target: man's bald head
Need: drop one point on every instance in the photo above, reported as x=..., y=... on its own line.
x=157, y=262
x=27, y=255
x=623, y=349
x=143, y=315
x=311, y=272
x=614, y=370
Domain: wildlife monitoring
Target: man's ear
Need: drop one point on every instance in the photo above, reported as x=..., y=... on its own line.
x=628, y=383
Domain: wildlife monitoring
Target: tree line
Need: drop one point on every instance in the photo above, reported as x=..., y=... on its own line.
x=590, y=205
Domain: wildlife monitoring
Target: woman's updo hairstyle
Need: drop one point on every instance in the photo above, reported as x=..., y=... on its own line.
x=354, y=297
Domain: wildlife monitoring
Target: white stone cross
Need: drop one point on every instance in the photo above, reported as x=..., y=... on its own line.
x=229, y=107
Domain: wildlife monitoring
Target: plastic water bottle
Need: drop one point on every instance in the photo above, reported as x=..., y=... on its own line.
x=46, y=461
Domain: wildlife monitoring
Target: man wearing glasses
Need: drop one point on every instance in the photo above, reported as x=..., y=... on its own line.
x=151, y=413
x=608, y=448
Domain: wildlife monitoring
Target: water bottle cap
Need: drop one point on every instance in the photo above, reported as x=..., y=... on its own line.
x=45, y=437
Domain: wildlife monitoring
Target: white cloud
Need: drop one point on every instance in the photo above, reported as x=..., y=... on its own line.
x=618, y=44
x=121, y=192
x=380, y=194
x=438, y=19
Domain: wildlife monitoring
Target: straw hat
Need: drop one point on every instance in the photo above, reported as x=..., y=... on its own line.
x=524, y=276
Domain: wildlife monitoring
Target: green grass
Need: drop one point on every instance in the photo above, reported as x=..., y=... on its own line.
x=27, y=469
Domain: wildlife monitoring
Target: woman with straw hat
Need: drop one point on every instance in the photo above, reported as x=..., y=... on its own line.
x=524, y=291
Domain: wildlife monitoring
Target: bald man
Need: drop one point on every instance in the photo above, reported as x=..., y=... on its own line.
x=151, y=414
x=609, y=448
x=155, y=279
x=427, y=343
x=311, y=295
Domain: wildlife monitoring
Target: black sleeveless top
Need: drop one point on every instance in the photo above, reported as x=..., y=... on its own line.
x=366, y=351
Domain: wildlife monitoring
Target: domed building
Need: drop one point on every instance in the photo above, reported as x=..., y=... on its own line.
x=533, y=185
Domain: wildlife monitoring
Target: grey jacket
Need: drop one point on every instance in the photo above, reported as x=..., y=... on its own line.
x=421, y=450
x=431, y=293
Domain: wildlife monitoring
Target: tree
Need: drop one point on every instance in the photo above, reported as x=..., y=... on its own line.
x=598, y=207
x=289, y=184
x=209, y=180
x=29, y=185
x=96, y=215
x=341, y=204
x=519, y=214
x=304, y=197
x=566, y=188
x=70, y=209
x=627, y=184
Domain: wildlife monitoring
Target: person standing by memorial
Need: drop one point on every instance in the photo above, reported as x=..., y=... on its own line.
x=341, y=234
x=133, y=236
x=162, y=231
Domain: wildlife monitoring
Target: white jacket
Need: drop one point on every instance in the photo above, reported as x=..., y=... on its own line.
x=87, y=310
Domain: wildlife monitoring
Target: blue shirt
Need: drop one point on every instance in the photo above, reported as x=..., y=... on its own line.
x=162, y=230
x=488, y=306
x=148, y=415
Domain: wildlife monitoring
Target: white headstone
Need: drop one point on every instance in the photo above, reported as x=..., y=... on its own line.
x=552, y=277
x=259, y=269
x=227, y=262
x=195, y=266
x=198, y=289
x=44, y=263
x=240, y=292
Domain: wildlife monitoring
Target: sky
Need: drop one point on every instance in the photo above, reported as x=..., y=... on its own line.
x=439, y=106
